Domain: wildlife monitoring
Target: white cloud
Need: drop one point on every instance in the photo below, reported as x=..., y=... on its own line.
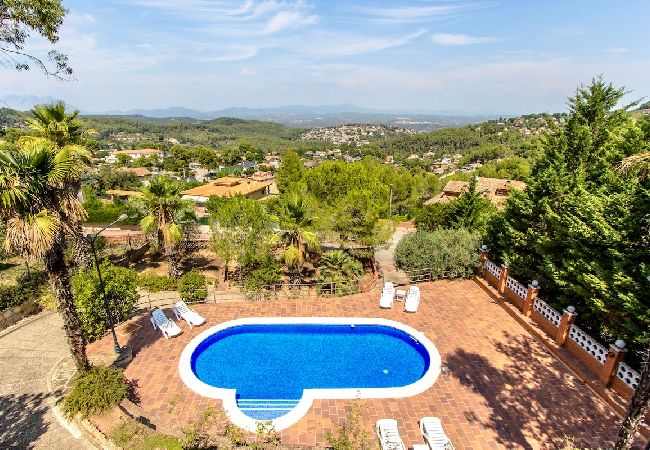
x=405, y=14
x=617, y=50
x=330, y=45
x=235, y=53
x=288, y=19
x=247, y=72
x=461, y=39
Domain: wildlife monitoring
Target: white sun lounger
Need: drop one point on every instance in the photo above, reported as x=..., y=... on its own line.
x=431, y=428
x=164, y=324
x=388, y=435
x=386, y=299
x=412, y=299
x=182, y=311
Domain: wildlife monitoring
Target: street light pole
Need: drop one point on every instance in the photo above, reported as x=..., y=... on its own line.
x=390, y=202
x=91, y=240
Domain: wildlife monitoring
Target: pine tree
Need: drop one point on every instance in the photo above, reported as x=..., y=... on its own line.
x=290, y=171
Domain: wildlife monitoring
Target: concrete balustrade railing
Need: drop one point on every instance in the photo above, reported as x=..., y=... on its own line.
x=606, y=363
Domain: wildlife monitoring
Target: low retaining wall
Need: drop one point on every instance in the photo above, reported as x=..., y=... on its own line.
x=605, y=362
x=14, y=314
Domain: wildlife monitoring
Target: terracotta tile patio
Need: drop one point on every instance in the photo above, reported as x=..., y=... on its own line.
x=503, y=388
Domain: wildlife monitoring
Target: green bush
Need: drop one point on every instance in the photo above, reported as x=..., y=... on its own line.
x=447, y=253
x=269, y=273
x=155, y=283
x=339, y=273
x=121, y=289
x=192, y=286
x=27, y=287
x=95, y=391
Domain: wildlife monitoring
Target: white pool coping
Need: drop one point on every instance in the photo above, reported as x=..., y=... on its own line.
x=228, y=396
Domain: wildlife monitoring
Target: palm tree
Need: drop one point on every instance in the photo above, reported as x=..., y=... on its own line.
x=638, y=164
x=52, y=124
x=295, y=223
x=166, y=216
x=339, y=270
x=35, y=203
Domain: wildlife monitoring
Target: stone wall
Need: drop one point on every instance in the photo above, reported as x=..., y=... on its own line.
x=12, y=315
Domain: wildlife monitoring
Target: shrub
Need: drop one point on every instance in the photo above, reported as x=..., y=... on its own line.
x=192, y=286
x=27, y=287
x=195, y=435
x=340, y=272
x=268, y=273
x=95, y=391
x=447, y=253
x=153, y=282
x=121, y=289
x=351, y=435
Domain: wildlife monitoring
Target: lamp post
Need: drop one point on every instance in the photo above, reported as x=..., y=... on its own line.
x=390, y=201
x=91, y=240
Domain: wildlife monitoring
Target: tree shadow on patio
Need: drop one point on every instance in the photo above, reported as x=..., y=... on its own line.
x=22, y=419
x=142, y=333
x=533, y=398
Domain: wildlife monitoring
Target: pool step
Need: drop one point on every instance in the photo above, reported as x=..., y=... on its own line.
x=266, y=408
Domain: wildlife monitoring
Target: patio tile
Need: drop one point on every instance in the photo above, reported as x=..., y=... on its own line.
x=503, y=389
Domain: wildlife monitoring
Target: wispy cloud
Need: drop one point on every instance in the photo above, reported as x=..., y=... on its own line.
x=617, y=50
x=356, y=45
x=413, y=14
x=247, y=72
x=462, y=39
x=288, y=19
x=234, y=53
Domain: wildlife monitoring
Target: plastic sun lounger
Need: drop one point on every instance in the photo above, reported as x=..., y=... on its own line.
x=164, y=324
x=388, y=435
x=431, y=428
x=182, y=311
x=386, y=299
x=412, y=302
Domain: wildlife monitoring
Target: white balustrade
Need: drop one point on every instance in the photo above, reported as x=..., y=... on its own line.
x=628, y=375
x=589, y=344
x=547, y=311
x=493, y=268
x=519, y=289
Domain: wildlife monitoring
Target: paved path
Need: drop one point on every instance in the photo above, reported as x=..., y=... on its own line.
x=385, y=258
x=27, y=356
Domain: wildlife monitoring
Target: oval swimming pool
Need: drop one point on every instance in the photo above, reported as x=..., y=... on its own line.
x=272, y=368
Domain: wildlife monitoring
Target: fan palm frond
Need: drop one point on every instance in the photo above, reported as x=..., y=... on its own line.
x=32, y=236
x=148, y=224
x=638, y=165
x=292, y=256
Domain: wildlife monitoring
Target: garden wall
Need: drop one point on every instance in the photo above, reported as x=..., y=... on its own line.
x=604, y=362
x=12, y=315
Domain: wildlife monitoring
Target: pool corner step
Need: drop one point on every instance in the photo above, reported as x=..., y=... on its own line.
x=266, y=408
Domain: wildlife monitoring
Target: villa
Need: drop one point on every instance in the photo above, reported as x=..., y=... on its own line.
x=133, y=154
x=227, y=187
x=494, y=189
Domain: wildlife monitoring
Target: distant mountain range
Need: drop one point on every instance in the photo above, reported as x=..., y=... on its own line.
x=290, y=115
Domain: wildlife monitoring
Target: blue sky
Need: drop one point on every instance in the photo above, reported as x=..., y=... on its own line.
x=476, y=56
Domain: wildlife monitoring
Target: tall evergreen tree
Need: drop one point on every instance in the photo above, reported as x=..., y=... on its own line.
x=291, y=170
x=579, y=227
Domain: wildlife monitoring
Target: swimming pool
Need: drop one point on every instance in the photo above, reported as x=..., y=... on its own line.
x=273, y=368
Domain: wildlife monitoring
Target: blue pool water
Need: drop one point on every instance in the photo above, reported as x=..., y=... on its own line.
x=270, y=365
